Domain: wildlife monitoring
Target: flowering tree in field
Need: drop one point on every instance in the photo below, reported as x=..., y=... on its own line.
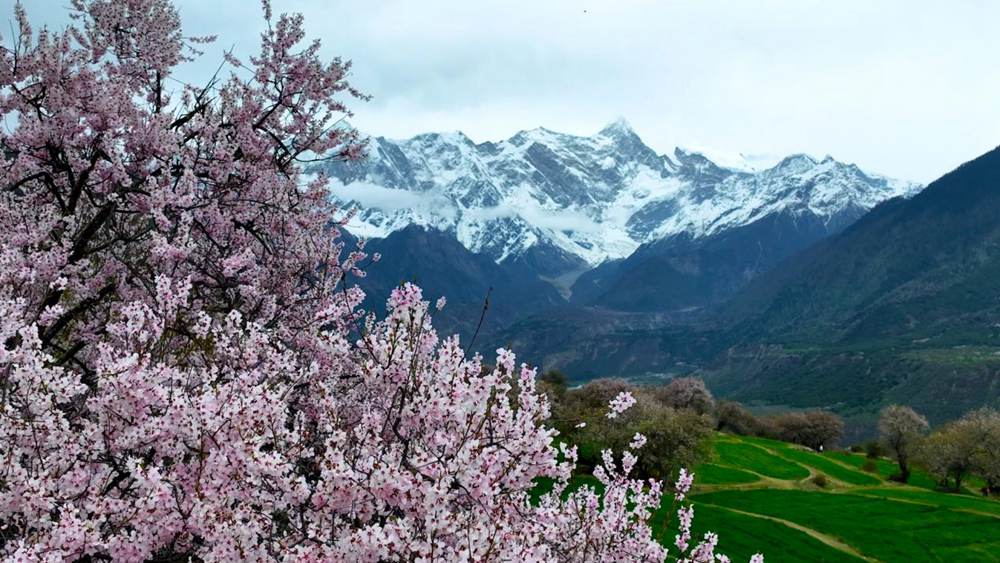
x=901, y=428
x=184, y=372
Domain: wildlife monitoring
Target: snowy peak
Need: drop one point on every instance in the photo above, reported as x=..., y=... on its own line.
x=795, y=164
x=617, y=128
x=584, y=198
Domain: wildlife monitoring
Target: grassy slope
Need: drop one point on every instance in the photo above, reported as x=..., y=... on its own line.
x=754, y=458
x=885, y=529
x=712, y=474
x=758, y=495
x=886, y=469
x=858, y=516
x=741, y=536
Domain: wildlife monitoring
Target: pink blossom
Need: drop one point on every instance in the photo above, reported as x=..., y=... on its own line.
x=621, y=403
x=683, y=484
x=637, y=442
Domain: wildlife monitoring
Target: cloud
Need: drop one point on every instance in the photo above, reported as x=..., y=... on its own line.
x=371, y=196
x=904, y=88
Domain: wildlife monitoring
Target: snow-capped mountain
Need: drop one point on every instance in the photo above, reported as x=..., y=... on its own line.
x=589, y=199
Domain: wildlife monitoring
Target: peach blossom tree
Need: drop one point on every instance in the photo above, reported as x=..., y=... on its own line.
x=184, y=371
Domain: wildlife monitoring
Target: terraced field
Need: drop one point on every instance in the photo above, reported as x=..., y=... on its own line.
x=760, y=495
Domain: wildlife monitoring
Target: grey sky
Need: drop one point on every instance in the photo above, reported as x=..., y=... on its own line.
x=909, y=88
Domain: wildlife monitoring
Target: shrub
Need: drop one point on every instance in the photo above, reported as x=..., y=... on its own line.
x=874, y=449
x=870, y=466
x=813, y=429
x=819, y=480
x=734, y=418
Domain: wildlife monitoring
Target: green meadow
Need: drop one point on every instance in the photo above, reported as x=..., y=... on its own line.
x=761, y=495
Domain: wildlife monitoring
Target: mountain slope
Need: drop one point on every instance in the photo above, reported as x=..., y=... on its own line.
x=903, y=306
x=443, y=267
x=682, y=271
x=910, y=269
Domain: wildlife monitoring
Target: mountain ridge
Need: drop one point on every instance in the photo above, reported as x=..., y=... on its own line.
x=582, y=200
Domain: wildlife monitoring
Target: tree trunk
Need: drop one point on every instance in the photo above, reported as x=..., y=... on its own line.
x=904, y=470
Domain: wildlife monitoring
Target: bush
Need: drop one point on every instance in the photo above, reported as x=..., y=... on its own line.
x=819, y=480
x=813, y=429
x=734, y=418
x=675, y=438
x=870, y=466
x=685, y=393
x=874, y=449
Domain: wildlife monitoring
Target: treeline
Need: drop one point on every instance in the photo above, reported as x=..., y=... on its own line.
x=816, y=429
x=677, y=418
x=969, y=446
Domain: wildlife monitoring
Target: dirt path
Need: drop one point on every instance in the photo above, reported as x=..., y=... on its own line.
x=828, y=540
x=921, y=502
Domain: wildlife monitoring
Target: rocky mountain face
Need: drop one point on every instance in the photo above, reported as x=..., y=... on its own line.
x=559, y=205
x=901, y=306
x=441, y=266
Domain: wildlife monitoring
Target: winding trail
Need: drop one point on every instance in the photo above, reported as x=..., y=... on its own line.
x=820, y=536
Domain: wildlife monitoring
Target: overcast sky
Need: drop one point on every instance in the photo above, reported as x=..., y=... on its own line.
x=909, y=88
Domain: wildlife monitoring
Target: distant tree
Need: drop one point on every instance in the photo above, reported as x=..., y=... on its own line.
x=985, y=424
x=901, y=428
x=686, y=393
x=580, y=417
x=598, y=392
x=813, y=429
x=948, y=453
x=674, y=438
x=734, y=418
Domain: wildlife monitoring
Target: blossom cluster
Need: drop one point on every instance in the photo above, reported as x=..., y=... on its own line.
x=621, y=403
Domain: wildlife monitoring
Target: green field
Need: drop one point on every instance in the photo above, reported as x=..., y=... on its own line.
x=742, y=536
x=712, y=474
x=886, y=469
x=750, y=457
x=759, y=496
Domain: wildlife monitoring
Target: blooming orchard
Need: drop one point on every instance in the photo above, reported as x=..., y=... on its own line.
x=184, y=370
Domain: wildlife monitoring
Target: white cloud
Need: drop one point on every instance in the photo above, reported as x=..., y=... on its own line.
x=372, y=196
x=906, y=88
